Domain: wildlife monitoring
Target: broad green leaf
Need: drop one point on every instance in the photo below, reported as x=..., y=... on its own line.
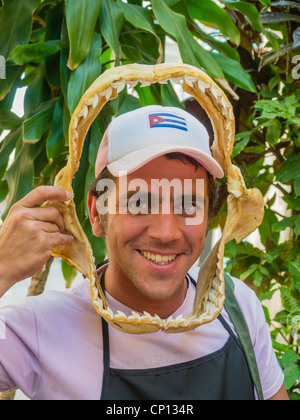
x=234, y=72
x=138, y=16
x=190, y=50
x=290, y=369
x=268, y=237
x=69, y=273
x=9, y=120
x=169, y=97
x=37, y=92
x=82, y=16
x=210, y=13
x=86, y=73
x=3, y=190
x=249, y=10
x=293, y=203
x=273, y=132
x=15, y=24
x=53, y=31
x=98, y=244
x=55, y=143
x=240, y=146
x=35, y=127
x=65, y=72
x=297, y=187
x=111, y=22
x=290, y=169
x=7, y=146
x=12, y=72
x=20, y=175
x=287, y=222
x=36, y=53
x=248, y=273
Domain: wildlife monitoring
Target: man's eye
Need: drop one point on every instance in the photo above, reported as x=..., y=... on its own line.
x=188, y=208
x=138, y=206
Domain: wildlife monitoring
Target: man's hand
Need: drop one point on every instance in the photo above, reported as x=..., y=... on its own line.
x=29, y=235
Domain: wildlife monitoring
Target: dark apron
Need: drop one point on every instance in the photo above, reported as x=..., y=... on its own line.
x=222, y=375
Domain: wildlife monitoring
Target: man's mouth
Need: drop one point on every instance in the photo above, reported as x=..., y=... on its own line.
x=158, y=258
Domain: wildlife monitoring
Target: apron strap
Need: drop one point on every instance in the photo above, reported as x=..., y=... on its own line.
x=241, y=327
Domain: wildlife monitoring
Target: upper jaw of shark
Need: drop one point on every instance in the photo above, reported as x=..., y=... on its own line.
x=210, y=290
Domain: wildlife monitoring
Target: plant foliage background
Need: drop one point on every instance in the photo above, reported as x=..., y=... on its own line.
x=57, y=48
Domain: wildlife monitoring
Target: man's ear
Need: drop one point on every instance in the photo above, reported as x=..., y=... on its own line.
x=95, y=219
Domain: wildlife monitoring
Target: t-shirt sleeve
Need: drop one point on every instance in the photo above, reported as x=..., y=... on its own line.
x=271, y=374
x=19, y=349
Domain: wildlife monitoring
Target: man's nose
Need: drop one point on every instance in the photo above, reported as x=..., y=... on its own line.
x=164, y=227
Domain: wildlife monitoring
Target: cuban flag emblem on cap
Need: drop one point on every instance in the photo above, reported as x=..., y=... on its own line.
x=163, y=119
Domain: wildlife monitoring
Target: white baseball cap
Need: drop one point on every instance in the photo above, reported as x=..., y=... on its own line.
x=137, y=137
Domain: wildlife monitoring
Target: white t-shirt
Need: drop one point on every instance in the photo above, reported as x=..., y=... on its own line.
x=51, y=345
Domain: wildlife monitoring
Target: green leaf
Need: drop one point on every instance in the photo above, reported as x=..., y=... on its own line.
x=289, y=170
x=281, y=317
x=297, y=226
x=169, y=97
x=190, y=50
x=69, y=273
x=82, y=16
x=98, y=244
x=239, y=146
x=273, y=132
x=290, y=369
x=294, y=267
x=12, y=73
x=234, y=72
x=293, y=203
x=268, y=237
x=297, y=187
x=7, y=146
x=289, y=302
x=53, y=31
x=36, y=53
x=37, y=92
x=86, y=73
x=247, y=9
x=21, y=173
x=15, y=24
x=111, y=22
x=288, y=222
x=3, y=190
x=35, y=127
x=248, y=273
x=138, y=16
x=55, y=143
x=9, y=120
x=210, y=13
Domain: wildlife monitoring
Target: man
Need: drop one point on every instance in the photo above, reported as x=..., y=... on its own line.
x=57, y=347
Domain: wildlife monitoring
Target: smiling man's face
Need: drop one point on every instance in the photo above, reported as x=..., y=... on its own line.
x=150, y=254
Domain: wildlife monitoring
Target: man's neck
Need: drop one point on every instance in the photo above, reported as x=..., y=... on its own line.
x=130, y=297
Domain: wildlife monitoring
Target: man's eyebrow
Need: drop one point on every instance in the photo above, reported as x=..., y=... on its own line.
x=141, y=194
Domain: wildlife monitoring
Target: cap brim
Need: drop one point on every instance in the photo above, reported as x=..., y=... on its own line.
x=135, y=160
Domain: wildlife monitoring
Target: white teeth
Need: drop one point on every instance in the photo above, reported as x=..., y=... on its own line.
x=159, y=259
